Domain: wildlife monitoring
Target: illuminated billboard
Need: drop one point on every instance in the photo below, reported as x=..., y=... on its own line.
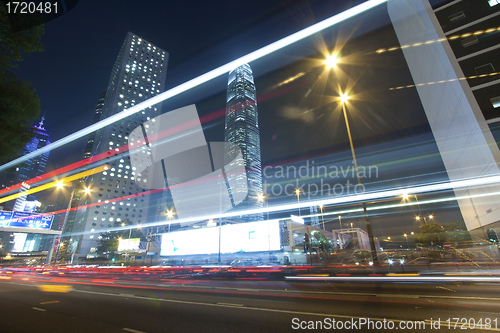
x=197, y=241
x=244, y=237
x=19, y=240
x=131, y=244
x=250, y=237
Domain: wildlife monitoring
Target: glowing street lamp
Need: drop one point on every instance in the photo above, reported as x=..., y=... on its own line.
x=343, y=100
x=297, y=192
x=331, y=61
x=261, y=197
x=322, y=217
x=170, y=215
x=407, y=244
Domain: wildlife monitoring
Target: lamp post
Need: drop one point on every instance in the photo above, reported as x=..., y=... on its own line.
x=406, y=196
x=60, y=185
x=407, y=244
x=343, y=100
x=261, y=197
x=322, y=217
x=297, y=192
x=170, y=215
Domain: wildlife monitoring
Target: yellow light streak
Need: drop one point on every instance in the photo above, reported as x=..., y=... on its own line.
x=56, y=183
x=443, y=81
x=468, y=34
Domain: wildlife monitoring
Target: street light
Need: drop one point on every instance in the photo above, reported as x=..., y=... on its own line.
x=322, y=217
x=407, y=244
x=297, y=192
x=60, y=185
x=406, y=196
x=331, y=61
x=343, y=100
x=261, y=197
x=170, y=215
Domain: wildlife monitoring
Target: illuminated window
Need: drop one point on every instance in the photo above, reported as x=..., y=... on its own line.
x=495, y=101
x=493, y=2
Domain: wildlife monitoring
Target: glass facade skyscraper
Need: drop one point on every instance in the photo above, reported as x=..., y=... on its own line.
x=242, y=128
x=138, y=74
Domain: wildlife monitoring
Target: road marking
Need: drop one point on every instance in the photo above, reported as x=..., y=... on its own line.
x=49, y=302
x=38, y=309
x=238, y=306
x=230, y=304
x=441, y=287
x=472, y=298
x=132, y=330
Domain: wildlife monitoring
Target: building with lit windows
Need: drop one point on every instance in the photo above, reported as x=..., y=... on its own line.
x=138, y=74
x=30, y=169
x=95, y=118
x=453, y=52
x=242, y=128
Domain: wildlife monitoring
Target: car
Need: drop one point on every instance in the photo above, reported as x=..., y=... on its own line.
x=363, y=257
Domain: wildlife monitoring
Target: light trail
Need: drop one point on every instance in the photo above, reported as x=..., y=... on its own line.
x=266, y=50
x=432, y=41
x=445, y=81
x=55, y=183
x=335, y=201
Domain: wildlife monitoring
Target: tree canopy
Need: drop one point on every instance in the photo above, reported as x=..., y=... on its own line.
x=19, y=104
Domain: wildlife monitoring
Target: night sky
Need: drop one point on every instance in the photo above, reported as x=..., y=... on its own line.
x=82, y=45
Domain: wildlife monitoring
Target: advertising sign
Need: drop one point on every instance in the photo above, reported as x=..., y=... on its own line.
x=197, y=241
x=243, y=237
x=250, y=237
x=19, y=240
x=131, y=244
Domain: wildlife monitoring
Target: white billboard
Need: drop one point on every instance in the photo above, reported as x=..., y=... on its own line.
x=243, y=237
x=19, y=240
x=250, y=237
x=197, y=241
x=131, y=244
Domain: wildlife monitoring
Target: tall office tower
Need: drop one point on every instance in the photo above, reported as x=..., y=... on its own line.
x=454, y=61
x=138, y=74
x=95, y=118
x=32, y=168
x=74, y=221
x=242, y=128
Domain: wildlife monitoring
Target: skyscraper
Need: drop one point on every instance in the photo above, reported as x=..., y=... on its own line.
x=242, y=128
x=33, y=167
x=95, y=118
x=452, y=60
x=138, y=74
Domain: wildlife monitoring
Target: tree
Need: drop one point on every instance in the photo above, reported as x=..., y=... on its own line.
x=19, y=104
x=430, y=234
x=458, y=234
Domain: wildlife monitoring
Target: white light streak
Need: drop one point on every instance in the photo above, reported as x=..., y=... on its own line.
x=203, y=78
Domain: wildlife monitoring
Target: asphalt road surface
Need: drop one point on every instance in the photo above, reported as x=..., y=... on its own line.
x=245, y=306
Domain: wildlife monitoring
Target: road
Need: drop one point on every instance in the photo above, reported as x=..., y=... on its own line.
x=239, y=306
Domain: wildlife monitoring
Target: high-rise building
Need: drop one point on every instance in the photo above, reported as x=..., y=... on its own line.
x=74, y=221
x=242, y=128
x=453, y=55
x=95, y=118
x=30, y=169
x=138, y=74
